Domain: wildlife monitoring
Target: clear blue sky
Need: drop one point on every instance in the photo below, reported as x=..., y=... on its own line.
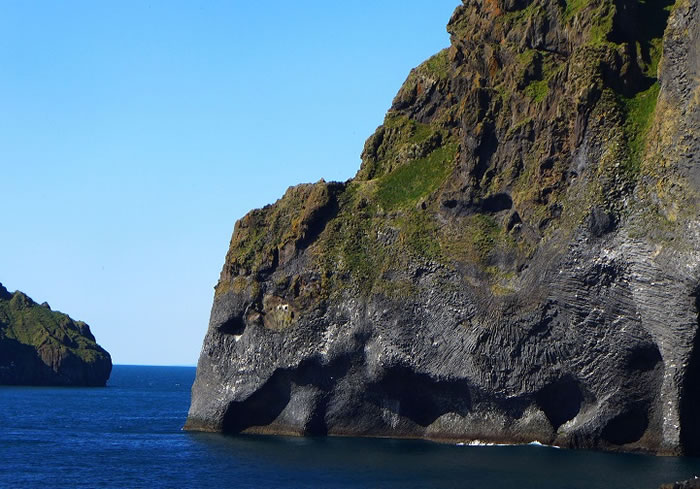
x=133, y=134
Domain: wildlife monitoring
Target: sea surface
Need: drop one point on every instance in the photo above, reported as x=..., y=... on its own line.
x=128, y=435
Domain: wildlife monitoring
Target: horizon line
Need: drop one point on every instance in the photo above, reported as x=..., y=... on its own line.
x=151, y=365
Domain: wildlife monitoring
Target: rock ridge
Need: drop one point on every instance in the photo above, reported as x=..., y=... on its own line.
x=42, y=347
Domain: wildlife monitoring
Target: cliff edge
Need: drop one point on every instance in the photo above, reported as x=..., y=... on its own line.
x=517, y=259
x=39, y=346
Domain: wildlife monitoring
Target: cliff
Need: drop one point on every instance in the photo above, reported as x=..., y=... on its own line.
x=517, y=259
x=39, y=346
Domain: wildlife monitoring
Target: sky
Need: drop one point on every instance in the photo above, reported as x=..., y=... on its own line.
x=133, y=134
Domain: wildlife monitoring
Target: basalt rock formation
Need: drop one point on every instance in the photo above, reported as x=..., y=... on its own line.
x=517, y=259
x=687, y=484
x=39, y=346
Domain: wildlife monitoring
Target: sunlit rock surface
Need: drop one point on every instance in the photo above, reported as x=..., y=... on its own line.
x=517, y=259
x=39, y=346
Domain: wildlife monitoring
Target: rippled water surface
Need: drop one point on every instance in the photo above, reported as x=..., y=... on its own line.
x=129, y=435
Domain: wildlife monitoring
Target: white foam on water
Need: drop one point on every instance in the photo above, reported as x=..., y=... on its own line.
x=479, y=443
x=538, y=444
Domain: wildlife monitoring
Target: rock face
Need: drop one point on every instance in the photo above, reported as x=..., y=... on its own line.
x=687, y=484
x=517, y=259
x=39, y=346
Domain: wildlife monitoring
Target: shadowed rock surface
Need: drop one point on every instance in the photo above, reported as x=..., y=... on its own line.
x=687, y=484
x=517, y=259
x=39, y=346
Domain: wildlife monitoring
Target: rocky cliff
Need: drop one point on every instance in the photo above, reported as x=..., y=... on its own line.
x=39, y=346
x=517, y=259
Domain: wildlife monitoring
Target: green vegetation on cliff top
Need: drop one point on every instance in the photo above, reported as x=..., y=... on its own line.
x=438, y=65
x=416, y=179
x=639, y=114
x=387, y=214
x=23, y=320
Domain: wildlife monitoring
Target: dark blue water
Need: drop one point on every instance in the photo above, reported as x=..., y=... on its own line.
x=129, y=435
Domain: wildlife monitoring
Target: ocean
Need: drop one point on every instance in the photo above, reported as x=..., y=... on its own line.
x=128, y=435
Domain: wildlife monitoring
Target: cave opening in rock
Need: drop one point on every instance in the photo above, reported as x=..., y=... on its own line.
x=627, y=427
x=233, y=325
x=306, y=413
x=497, y=203
x=644, y=358
x=560, y=401
x=419, y=397
x=261, y=408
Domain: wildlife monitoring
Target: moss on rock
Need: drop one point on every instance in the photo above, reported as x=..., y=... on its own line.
x=44, y=347
x=543, y=104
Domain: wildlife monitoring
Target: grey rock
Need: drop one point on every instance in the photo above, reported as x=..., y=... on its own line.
x=579, y=329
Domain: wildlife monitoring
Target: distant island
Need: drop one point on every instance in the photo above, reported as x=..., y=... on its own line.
x=39, y=346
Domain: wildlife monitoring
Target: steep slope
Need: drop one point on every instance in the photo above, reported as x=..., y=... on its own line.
x=39, y=346
x=517, y=259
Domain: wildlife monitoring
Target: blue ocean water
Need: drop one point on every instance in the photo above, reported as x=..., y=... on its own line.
x=129, y=435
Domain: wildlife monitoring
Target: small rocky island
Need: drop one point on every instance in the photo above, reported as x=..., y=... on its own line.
x=517, y=258
x=42, y=347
